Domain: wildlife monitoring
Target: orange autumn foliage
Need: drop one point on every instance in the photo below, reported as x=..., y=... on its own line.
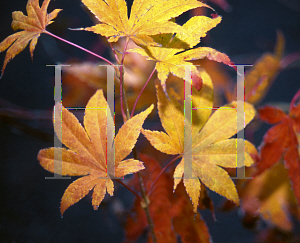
x=33, y=25
x=88, y=151
x=170, y=194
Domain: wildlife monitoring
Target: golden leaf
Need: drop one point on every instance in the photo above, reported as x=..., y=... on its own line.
x=170, y=58
x=34, y=24
x=146, y=18
x=210, y=150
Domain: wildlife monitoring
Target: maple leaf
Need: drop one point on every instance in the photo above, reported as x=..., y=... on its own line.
x=33, y=25
x=170, y=58
x=264, y=71
x=170, y=212
x=160, y=202
x=87, y=151
x=211, y=149
x=149, y=17
x=191, y=227
x=281, y=140
x=269, y=195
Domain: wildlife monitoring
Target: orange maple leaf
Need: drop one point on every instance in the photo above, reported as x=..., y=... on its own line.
x=190, y=227
x=88, y=148
x=170, y=212
x=33, y=25
x=281, y=140
x=160, y=197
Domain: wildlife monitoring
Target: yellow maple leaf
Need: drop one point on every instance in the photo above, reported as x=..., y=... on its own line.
x=147, y=17
x=34, y=24
x=87, y=151
x=169, y=56
x=211, y=148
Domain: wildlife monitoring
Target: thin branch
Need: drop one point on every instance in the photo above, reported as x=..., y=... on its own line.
x=123, y=100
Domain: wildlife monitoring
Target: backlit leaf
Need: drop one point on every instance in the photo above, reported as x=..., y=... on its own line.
x=264, y=71
x=33, y=25
x=170, y=58
x=211, y=148
x=190, y=227
x=146, y=18
x=88, y=148
x=160, y=198
x=281, y=141
x=171, y=212
x=269, y=195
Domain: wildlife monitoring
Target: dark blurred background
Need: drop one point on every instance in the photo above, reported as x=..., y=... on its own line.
x=29, y=205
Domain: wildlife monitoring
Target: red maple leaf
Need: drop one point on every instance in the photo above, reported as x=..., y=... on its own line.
x=281, y=140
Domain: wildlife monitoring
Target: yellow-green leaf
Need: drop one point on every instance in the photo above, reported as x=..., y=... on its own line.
x=146, y=18
x=197, y=28
x=169, y=61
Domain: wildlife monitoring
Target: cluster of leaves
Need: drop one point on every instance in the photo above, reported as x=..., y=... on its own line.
x=210, y=151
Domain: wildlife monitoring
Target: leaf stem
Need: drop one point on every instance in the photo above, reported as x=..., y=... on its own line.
x=79, y=47
x=134, y=193
x=137, y=99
